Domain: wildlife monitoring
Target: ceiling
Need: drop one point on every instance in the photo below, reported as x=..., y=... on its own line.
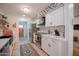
x=16, y=9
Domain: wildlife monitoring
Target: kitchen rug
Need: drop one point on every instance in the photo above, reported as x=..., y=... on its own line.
x=27, y=50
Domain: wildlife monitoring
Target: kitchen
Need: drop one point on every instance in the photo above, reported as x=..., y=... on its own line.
x=51, y=36
x=49, y=29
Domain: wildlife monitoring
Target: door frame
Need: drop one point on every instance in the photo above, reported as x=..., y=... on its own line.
x=69, y=17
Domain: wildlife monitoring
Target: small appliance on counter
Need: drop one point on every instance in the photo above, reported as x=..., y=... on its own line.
x=56, y=32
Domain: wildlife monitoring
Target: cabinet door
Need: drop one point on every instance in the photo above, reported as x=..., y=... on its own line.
x=53, y=49
x=57, y=17
x=48, y=20
x=45, y=44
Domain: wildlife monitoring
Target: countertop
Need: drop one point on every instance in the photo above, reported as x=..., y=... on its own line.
x=53, y=36
x=3, y=42
x=41, y=32
x=5, y=37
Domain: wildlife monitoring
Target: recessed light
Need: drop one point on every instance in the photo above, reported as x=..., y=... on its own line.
x=23, y=15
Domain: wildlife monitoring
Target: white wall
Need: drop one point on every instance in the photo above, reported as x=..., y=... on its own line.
x=16, y=20
x=12, y=20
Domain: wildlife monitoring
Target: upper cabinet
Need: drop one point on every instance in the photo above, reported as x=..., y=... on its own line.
x=40, y=22
x=48, y=20
x=55, y=18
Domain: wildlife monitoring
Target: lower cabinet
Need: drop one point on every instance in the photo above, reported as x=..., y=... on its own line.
x=53, y=47
x=44, y=44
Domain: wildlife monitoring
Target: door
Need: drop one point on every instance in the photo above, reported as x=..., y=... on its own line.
x=24, y=30
x=21, y=32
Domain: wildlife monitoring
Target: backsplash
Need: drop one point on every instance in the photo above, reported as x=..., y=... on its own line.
x=54, y=30
x=59, y=28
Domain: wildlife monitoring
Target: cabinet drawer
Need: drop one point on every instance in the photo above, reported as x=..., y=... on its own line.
x=54, y=48
x=45, y=44
x=53, y=42
x=52, y=51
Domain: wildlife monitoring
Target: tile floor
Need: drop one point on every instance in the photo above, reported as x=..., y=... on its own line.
x=27, y=50
x=39, y=51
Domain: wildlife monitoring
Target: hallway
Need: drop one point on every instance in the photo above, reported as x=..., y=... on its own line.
x=35, y=51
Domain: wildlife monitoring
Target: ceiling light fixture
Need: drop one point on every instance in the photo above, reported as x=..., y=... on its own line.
x=20, y=26
x=26, y=10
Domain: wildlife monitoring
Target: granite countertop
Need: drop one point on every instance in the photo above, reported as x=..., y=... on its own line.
x=55, y=37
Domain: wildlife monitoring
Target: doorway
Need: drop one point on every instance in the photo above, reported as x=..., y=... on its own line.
x=23, y=32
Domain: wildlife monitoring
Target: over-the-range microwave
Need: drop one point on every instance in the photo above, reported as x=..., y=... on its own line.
x=42, y=21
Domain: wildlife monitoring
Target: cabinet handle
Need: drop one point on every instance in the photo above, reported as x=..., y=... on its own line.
x=49, y=45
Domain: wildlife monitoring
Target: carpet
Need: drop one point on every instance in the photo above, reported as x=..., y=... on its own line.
x=27, y=50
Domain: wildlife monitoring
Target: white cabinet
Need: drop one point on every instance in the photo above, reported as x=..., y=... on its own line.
x=56, y=17
x=49, y=47
x=53, y=50
x=48, y=20
x=54, y=46
x=44, y=44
